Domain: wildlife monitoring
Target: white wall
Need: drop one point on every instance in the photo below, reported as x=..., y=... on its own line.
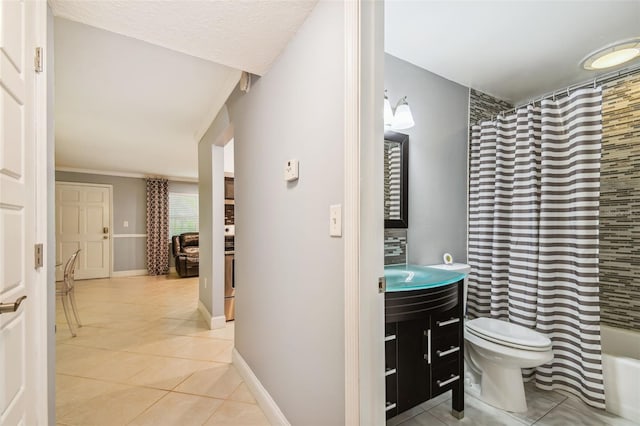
x=437, y=160
x=289, y=271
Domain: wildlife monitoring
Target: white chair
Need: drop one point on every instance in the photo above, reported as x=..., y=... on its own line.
x=66, y=290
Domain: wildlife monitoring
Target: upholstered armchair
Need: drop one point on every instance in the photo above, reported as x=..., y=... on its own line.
x=186, y=252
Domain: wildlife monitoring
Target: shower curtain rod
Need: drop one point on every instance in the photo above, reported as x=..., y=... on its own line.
x=591, y=82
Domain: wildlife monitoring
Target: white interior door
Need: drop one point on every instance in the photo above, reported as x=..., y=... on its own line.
x=23, y=389
x=83, y=222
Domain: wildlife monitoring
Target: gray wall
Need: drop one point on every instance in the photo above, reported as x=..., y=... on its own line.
x=289, y=272
x=211, y=215
x=437, y=161
x=129, y=204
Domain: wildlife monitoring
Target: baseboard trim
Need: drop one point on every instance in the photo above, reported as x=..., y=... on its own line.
x=218, y=322
x=264, y=400
x=131, y=273
x=213, y=322
x=205, y=314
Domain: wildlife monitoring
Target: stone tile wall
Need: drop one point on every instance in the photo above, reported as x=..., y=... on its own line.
x=395, y=246
x=620, y=204
x=482, y=106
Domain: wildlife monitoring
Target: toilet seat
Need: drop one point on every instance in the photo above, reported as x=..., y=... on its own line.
x=508, y=334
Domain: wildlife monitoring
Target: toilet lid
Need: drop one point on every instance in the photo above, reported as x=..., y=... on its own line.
x=508, y=334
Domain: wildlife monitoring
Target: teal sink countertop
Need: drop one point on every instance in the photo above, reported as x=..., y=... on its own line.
x=416, y=277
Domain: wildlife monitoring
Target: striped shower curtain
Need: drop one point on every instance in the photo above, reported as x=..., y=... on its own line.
x=533, y=233
x=157, y=226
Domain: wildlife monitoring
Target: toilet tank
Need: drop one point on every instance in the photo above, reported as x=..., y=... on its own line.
x=463, y=268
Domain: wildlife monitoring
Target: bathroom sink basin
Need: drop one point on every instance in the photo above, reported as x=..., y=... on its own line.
x=416, y=277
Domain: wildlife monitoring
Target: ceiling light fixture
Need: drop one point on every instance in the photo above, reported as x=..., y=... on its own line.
x=402, y=119
x=615, y=54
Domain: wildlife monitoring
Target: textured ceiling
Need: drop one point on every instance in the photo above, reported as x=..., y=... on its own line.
x=244, y=34
x=124, y=105
x=515, y=50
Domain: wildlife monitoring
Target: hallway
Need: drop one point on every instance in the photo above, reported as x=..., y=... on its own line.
x=145, y=357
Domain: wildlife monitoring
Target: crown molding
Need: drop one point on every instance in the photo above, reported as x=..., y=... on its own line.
x=125, y=174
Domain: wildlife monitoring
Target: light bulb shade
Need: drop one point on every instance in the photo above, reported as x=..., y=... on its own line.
x=403, y=119
x=613, y=55
x=388, y=113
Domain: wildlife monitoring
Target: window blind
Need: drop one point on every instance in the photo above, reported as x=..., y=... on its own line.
x=183, y=213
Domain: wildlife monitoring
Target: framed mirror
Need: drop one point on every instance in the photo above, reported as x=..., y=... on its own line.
x=396, y=180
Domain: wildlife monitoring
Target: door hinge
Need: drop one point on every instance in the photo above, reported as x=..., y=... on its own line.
x=382, y=284
x=38, y=255
x=38, y=59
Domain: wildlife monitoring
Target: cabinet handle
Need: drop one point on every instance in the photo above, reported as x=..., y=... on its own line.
x=446, y=382
x=450, y=351
x=389, y=337
x=390, y=406
x=447, y=322
x=390, y=371
x=426, y=334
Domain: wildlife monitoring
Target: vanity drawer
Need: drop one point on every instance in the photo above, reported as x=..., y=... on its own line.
x=445, y=377
x=446, y=322
x=445, y=352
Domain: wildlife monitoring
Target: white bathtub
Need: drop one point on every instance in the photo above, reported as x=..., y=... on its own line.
x=621, y=368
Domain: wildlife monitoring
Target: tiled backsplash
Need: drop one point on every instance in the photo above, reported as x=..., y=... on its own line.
x=620, y=204
x=395, y=246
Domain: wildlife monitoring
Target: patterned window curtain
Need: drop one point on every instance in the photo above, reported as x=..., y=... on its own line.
x=533, y=233
x=157, y=226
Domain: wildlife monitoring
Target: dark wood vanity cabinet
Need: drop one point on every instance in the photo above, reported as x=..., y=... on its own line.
x=424, y=347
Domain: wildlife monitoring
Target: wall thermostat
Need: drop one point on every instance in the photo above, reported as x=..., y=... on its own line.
x=448, y=259
x=291, y=170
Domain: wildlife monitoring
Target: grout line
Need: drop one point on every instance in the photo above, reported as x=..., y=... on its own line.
x=147, y=409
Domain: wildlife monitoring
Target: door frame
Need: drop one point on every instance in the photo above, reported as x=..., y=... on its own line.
x=109, y=187
x=363, y=212
x=44, y=303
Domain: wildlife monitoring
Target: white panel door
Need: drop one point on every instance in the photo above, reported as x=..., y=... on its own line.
x=82, y=222
x=22, y=347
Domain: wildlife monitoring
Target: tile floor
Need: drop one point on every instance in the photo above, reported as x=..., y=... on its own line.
x=145, y=357
x=545, y=409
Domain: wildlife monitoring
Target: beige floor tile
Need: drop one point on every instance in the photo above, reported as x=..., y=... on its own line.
x=178, y=409
x=72, y=391
x=167, y=373
x=118, y=407
x=178, y=327
x=242, y=394
x=78, y=360
x=120, y=366
x=217, y=382
x=226, y=333
x=238, y=413
x=142, y=337
x=188, y=347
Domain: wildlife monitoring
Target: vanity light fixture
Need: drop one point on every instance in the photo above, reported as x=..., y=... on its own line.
x=613, y=55
x=402, y=119
x=388, y=112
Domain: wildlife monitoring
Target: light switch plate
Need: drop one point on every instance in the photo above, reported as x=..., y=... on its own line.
x=335, y=220
x=291, y=170
x=125, y=224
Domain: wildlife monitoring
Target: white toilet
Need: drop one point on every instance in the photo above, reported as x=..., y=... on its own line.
x=496, y=351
